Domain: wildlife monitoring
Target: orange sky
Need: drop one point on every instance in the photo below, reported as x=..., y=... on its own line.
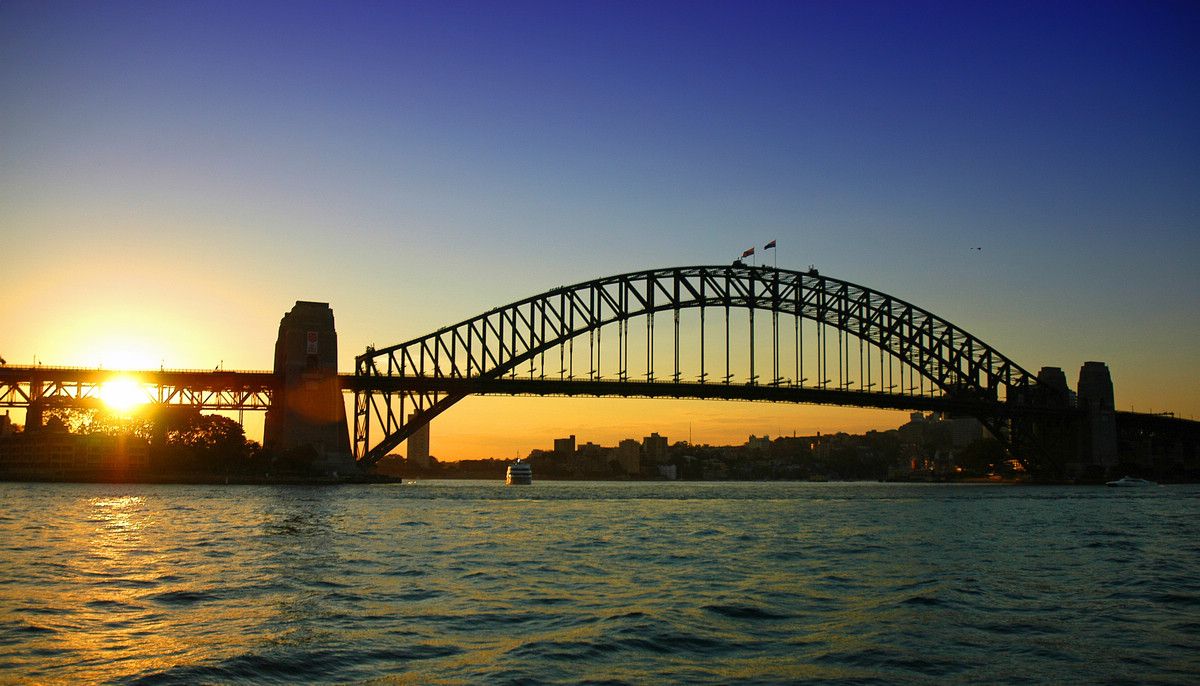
x=163, y=204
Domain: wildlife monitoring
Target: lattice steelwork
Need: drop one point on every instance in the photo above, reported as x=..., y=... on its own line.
x=400, y=388
x=81, y=387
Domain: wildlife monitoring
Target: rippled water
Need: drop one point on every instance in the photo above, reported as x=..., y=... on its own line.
x=472, y=582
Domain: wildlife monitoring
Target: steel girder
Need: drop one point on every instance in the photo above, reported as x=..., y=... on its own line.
x=81, y=387
x=494, y=344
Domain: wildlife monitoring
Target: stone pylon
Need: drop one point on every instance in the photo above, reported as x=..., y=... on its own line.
x=1100, y=426
x=308, y=409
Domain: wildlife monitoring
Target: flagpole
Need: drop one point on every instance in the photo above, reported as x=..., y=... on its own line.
x=774, y=253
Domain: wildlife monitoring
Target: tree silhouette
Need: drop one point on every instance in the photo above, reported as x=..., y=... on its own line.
x=97, y=421
x=211, y=432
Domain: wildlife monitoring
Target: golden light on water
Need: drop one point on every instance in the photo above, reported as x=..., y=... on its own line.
x=123, y=394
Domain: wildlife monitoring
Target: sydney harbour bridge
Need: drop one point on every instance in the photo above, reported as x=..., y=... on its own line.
x=735, y=332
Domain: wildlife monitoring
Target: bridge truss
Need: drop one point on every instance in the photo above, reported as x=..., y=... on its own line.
x=49, y=387
x=865, y=348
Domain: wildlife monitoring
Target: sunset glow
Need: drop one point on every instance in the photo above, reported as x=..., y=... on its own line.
x=123, y=394
x=638, y=342
x=418, y=167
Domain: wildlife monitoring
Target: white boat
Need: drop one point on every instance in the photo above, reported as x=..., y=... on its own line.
x=1130, y=482
x=519, y=474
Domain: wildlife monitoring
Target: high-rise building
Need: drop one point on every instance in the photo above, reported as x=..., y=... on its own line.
x=654, y=449
x=564, y=447
x=628, y=454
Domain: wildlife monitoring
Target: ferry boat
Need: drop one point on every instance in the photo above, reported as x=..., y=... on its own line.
x=519, y=474
x=1130, y=482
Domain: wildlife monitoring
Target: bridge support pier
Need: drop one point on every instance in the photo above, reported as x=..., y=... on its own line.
x=1098, y=449
x=33, y=417
x=1077, y=437
x=1047, y=442
x=307, y=410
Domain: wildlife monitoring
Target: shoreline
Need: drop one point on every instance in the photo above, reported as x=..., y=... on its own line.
x=371, y=479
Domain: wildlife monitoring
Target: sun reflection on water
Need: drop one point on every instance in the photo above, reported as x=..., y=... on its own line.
x=469, y=583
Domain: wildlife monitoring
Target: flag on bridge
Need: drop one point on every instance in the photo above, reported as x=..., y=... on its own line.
x=748, y=253
x=770, y=246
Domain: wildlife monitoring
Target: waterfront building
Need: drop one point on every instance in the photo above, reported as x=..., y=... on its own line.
x=759, y=444
x=59, y=454
x=654, y=448
x=565, y=447
x=628, y=454
x=591, y=450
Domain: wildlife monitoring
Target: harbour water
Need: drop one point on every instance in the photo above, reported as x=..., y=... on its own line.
x=567, y=582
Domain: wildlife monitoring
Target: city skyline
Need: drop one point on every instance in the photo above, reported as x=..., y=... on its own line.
x=173, y=179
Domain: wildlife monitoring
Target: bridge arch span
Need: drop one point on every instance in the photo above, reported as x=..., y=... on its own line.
x=402, y=387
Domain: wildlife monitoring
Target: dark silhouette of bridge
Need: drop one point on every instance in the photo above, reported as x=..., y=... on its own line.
x=714, y=332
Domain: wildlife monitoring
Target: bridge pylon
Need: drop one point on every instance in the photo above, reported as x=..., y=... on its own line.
x=307, y=410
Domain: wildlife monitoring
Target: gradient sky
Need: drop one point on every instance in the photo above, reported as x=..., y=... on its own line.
x=173, y=176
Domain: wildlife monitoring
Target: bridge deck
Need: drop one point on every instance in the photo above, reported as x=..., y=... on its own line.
x=252, y=390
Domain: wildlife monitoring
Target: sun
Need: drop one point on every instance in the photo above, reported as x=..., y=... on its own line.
x=123, y=394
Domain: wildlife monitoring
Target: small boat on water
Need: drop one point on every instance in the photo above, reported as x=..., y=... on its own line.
x=1130, y=482
x=519, y=474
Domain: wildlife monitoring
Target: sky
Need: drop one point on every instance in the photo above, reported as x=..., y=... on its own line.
x=174, y=176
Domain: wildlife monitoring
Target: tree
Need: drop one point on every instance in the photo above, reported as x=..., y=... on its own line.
x=982, y=456
x=207, y=441
x=97, y=421
x=210, y=432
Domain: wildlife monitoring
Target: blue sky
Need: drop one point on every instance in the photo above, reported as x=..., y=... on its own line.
x=174, y=175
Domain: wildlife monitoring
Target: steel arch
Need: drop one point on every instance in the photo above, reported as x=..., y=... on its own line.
x=495, y=343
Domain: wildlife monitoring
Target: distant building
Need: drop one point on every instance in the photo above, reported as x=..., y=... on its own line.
x=565, y=447
x=654, y=449
x=964, y=431
x=757, y=443
x=592, y=450
x=6, y=425
x=628, y=454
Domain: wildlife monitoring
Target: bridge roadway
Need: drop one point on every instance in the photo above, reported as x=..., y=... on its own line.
x=21, y=386
x=82, y=387
x=252, y=390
